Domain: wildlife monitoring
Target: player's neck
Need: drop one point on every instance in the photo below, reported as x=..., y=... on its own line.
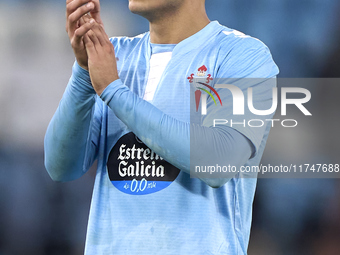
x=174, y=28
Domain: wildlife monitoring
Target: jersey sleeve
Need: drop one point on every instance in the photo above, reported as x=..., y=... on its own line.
x=71, y=140
x=251, y=71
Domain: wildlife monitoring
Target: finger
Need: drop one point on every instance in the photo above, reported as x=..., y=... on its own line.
x=75, y=16
x=86, y=17
x=95, y=13
x=82, y=21
x=105, y=41
x=106, y=37
x=90, y=49
x=100, y=33
x=93, y=37
x=72, y=5
x=81, y=31
x=108, y=44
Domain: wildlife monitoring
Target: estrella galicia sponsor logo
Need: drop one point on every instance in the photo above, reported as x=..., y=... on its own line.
x=135, y=169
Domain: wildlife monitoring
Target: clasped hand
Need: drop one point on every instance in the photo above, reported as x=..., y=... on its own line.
x=90, y=43
x=101, y=58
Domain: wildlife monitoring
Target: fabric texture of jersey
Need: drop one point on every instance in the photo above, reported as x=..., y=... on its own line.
x=142, y=204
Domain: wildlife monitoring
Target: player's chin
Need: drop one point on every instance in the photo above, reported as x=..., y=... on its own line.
x=143, y=7
x=140, y=10
x=135, y=6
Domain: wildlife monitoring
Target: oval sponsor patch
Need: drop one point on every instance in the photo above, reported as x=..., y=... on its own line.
x=135, y=169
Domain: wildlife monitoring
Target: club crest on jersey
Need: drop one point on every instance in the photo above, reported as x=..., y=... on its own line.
x=201, y=83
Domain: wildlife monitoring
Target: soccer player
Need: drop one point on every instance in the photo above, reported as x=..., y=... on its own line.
x=127, y=104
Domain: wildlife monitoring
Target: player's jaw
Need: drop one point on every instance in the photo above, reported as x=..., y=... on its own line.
x=153, y=9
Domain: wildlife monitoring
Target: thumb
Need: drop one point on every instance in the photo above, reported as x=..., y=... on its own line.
x=95, y=13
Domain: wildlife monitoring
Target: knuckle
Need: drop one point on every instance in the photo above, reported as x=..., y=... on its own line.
x=108, y=48
x=73, y=44
x=94, y=29
x=74, y=14
x=84, y=8
x=96, y=2
x=77, y=33
x=72, y=18
x=90, y=33
x=85, y=17
x=89, y=26
x=69, y=8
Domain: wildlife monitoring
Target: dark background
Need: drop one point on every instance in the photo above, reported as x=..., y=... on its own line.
x=38, y=216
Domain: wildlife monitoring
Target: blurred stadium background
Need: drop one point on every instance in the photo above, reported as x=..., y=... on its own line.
x=38, y=216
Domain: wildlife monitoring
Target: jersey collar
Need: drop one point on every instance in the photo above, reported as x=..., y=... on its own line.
x=193, y=42
x=196, y=40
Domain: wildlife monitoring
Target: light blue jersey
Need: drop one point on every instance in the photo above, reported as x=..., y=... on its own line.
x=144, y=201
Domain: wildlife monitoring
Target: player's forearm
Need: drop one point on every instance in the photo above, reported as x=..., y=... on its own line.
x=68, y=135
x=173, y=139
